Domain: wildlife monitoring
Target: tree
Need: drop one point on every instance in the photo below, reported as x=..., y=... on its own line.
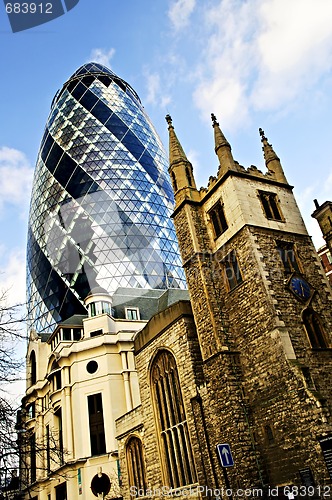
x=12, y=333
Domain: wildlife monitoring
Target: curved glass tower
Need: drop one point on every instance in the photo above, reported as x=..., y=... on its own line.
x=101, y=200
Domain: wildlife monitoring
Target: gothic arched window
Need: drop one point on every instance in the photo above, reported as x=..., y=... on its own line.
x=188, y=175
x=33, y=368
x=171, y=422
x=135, y=463
x=314, y=329
x=175, y=185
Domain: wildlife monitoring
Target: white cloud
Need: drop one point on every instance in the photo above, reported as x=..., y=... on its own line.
x=15, y=178
x=179, y=13
x=261, y=54
x=155, y=94
x=12, y=276
x=153, y=88
x=295, y=48
x=102, y=56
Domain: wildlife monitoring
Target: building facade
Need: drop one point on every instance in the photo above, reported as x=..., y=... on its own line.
x=326, y=259
x=139, y=383
x=248, y=365
x=101, y=200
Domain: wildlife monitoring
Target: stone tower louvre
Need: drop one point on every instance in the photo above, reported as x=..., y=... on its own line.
x=262, y=310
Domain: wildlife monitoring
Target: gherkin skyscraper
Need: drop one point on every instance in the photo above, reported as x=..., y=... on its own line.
x=101, y=200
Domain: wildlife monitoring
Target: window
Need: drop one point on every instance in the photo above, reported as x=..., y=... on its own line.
x=171, y=422
x=92, y=366
x=175, y=186
x=96, y=424
x=77, y=333
x=132, y=313
x=95, y=333
x=136, y=468
x=314, y=329
x=33, y=368
x=218, y=219
x=288, y=256
x=269, y=434
x=58, y=422
x=66, y=334
x=308, y=378
x=270, y=205
x=31, y=410
x=106, y=308
x=61, y=492
x=55, y=376
x=232, y=271
x=92, y=309
x=100, y=307
x=188, y=175
x=329, y=256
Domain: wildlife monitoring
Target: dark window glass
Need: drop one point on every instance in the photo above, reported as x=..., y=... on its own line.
x=101, y=112
x=175, y=186
x=61, y=492
x=89, y=100
x=87, y=80
x=54, y=157
x=288, y=256
x=66, y=334
x=92, y=309
x=135, y=463
x=314, y=329
x=65, y=169
x=77, y=333
x=218, y=219
x=232, y=270
x=58, y=416
x=58, y=380
x=269, y=434
x=171, y=421
x=117, y=127
x=188, y=175
x=92, y=366
x=33, y=367
x=47, y=146
x=96, y=424
x=31, y=410
x=270, y=205
x=95, y=333
x=307, y=377
x=78, y=91
x=105, y=80
x=71, y=85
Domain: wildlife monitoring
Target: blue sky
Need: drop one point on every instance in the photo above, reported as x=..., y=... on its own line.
x=256, y=63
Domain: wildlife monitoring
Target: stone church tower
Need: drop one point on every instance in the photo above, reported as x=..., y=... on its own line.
x=262, y=309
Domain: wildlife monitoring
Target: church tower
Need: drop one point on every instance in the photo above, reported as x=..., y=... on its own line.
x=262, y=309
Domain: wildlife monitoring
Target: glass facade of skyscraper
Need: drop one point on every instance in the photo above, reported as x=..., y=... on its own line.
x=101, y=200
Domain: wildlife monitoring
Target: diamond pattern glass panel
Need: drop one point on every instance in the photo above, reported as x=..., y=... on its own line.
x=101, y=200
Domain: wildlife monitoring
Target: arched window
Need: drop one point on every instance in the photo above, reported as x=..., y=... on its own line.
x=188, y=175
x=175, y=186
x=55, y=375
x=135, y=463
x=314, y=329
x=269, y=434
x=171, y=422
x=33, y=368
